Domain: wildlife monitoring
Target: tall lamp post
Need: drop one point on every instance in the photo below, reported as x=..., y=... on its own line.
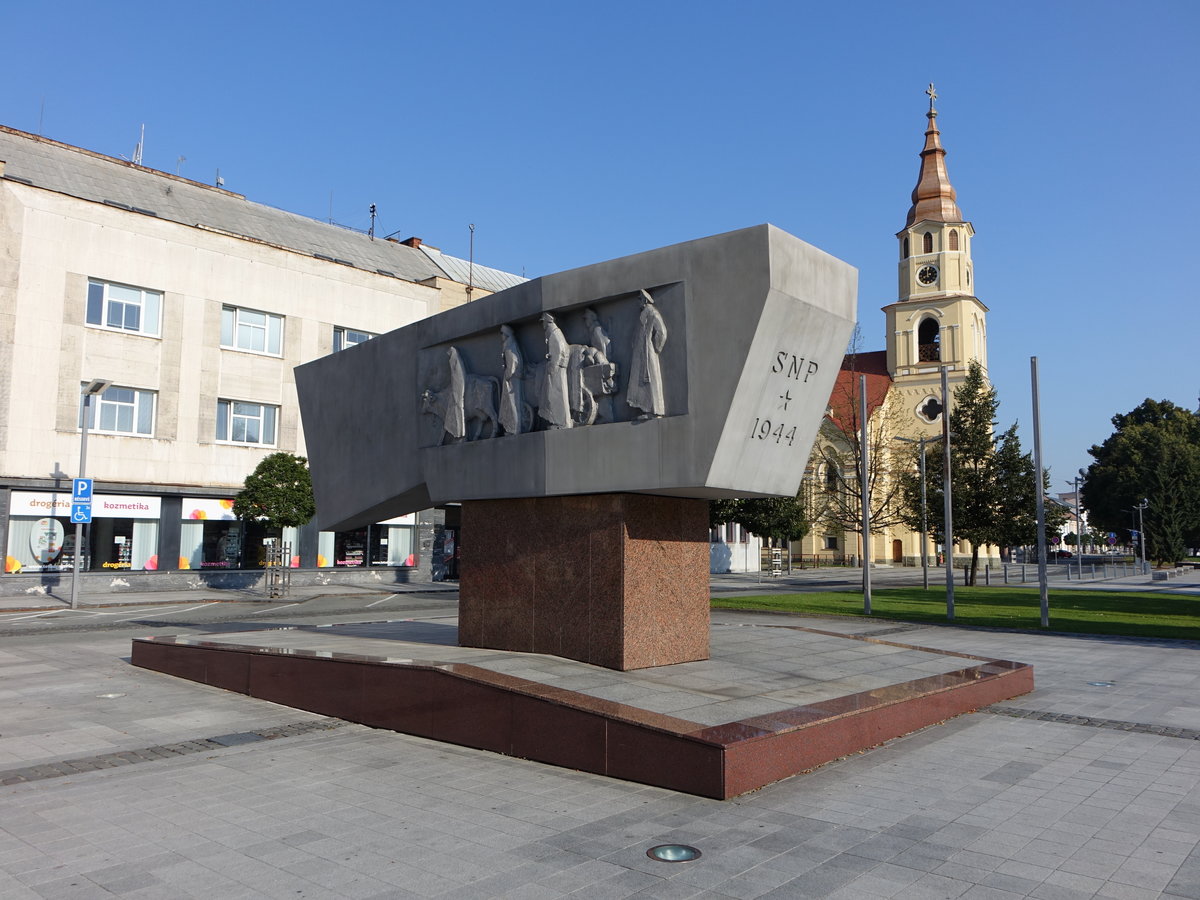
x=924, y=513
x=95, y=388
x=1077, y=480
x=1142, y=533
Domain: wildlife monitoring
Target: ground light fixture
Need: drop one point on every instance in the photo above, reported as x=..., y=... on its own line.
x=673, y=853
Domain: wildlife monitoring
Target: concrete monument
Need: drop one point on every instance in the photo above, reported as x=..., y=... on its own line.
x=662, y=379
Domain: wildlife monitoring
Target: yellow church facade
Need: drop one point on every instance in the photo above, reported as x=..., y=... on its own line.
x=937, y=322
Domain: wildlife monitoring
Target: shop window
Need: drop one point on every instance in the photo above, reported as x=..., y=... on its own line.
x=347, y=337
x=248, y=329
x=120, y=410
x=246, y=423
x=122, y=307
x=210, y=544
x=47, y=544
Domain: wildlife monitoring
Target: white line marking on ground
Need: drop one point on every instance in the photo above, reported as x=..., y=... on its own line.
x=274, y=608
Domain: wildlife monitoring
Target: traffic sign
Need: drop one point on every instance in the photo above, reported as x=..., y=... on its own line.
x=81, y=513
x=81, y=491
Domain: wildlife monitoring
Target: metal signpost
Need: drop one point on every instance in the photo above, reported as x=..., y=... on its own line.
x=81, y=490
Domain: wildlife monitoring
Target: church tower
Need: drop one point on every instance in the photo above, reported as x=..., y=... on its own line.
x=937, y=320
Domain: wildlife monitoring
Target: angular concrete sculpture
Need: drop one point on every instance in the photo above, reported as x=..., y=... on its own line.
x=691, y=372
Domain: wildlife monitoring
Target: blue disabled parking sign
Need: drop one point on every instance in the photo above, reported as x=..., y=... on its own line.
x=81, y=513
x=81, y=491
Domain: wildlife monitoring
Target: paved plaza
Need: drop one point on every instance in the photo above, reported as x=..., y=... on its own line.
x=125, y=782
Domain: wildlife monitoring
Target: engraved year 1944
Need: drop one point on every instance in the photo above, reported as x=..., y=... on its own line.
x=765, y=430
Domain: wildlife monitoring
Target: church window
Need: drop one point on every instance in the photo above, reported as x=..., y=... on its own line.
x=831, y=476
x=929, y=340
x=905, y=254
x=953, y=238
x=928, y=242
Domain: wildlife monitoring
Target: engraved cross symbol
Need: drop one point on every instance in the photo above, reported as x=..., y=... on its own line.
x=786, y=397
x=932, y=95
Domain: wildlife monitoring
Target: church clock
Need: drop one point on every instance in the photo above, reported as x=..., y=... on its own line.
x=927, y=274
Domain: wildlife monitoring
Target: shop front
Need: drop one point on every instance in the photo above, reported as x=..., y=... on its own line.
x=123, y=534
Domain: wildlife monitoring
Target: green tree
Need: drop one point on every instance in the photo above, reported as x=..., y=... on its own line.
x=992, y=481
x=780, y=519
x=1153, y=455
x=279, y=491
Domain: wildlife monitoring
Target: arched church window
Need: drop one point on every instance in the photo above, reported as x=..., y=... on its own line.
x=906, y=253
x=929, y=341
x=953, y=238
x=831, y=476
x=928, y=242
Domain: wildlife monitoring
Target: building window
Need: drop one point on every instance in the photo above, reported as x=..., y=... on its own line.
x=246, y=423
x=928, y=243
x=831, y=542
x=123, y=308
x=248, y=329
x=831, y=476
x=953, y=238
x=905, y=254
x=120, y=410
x=347, y=337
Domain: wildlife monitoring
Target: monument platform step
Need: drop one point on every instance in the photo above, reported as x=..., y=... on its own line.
x=773, y=701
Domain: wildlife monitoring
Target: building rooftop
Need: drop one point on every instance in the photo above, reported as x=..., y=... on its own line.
x=83, y=174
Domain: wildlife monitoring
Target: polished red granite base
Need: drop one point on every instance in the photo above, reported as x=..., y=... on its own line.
x=615, y=580
x=475, y=707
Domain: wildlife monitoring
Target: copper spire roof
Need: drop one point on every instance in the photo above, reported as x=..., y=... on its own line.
x=933, y=197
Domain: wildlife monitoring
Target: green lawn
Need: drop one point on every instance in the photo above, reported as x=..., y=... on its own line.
x=1139, y=614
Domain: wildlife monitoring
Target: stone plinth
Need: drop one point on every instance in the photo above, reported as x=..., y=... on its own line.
x=616, y=580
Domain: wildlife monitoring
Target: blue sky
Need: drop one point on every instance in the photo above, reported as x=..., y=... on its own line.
x=571, y=133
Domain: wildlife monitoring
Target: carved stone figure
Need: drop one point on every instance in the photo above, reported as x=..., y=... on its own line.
x=512, y=399
x=454, y=420
x=645, y=370
x=597, y=336
x=467, y=398
x=555, y=405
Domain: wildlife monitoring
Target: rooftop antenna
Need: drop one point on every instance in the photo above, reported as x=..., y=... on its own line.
x=137, y=150
x=371, y=232
x=179, y=162
x=471, y=264
x=220, y=181
x=41, y=115
x=331, y=207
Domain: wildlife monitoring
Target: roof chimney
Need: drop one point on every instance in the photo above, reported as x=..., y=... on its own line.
x=411, y=242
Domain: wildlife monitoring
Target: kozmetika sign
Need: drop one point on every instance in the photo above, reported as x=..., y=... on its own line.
x=104, y=506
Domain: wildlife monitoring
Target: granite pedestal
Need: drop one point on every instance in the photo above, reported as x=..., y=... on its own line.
x=615, y=580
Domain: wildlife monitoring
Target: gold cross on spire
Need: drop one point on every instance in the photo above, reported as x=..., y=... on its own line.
x=932, y=96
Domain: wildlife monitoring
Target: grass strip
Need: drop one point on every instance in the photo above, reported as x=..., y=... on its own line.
x=1131, y=613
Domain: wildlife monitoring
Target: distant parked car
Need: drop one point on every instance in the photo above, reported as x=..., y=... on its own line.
x=1060, y=554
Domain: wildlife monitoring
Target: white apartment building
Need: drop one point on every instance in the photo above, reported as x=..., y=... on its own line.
x=196, y=304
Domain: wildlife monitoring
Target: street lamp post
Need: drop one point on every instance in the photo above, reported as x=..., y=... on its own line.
x=95, y=388
x=1142, y=533
x=1078, y=522
x=924, y=514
